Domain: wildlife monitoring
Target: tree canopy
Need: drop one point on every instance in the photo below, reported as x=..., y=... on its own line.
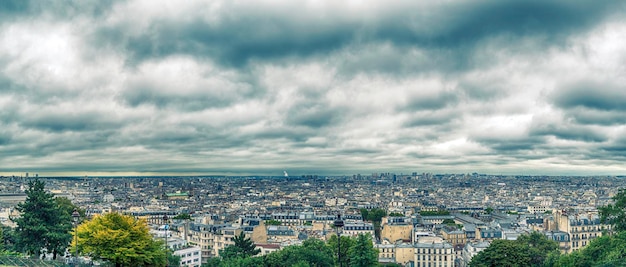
x=607, y=250
x=313, y=252
x=243, y=247
x=363, y=253
x=375, y=216
x=42, y=224
x=527, y=250
x=346, y=243
x=601, y=251
x=615, y=214
x=182, y=216
x=121, y=240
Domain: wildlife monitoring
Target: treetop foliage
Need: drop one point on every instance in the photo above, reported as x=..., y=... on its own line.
x=120, y=239
x=42, y=223
x=313, y=252
x=615, y=214
x=527, y=250
x=434, y=213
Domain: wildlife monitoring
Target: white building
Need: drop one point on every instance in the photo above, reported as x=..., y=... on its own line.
x=470, y=250
x=434, y=254
x=189, y=257
x=356, y=228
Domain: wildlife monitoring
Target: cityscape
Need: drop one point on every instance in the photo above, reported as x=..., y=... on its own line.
x=483, y=208
x=282, y=133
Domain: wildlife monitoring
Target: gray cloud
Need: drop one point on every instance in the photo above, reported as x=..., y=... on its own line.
x=576, y=133
x=237, y=34
x=247, y=87
x=592, y=95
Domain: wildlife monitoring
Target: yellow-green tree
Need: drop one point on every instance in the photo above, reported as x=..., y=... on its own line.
x=121, y=240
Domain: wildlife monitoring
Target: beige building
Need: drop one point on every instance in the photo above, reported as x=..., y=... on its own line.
x=401, y=253
x=581, y=227
x=224, y=238
x=453, y=236
x=393, y=232
x=203, y=236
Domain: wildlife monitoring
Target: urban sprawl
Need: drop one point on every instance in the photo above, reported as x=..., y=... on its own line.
x=483, y=208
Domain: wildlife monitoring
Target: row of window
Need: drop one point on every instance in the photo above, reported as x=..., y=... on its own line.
x=431, y=264
x=434, y=251
x=434, y=258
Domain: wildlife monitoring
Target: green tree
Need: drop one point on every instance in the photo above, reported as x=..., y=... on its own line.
x=67, y=207
x=272, y=222
x=312, y=252
x=375, y=216
x=434, y=213
x=243, y=247
x=41, y=225
x=363, y=253
x=9, y=238
x=346, y=243
x=489, y=210
x=528, y=250
x=364, y=214
x=396, y=214
x=602, y=251
x=615, y=214
x=121, y=240
x=501, y=253
x=173, y=260
x=449, y=222
x=182, y=216
x=538, y=247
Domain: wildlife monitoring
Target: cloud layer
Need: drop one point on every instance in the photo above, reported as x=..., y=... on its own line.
x=246, y=87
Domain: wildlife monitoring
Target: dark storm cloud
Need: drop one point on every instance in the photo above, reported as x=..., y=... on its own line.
x=5, y=138
x=62, y=9
x=592, y=95
x=510, y=144
x=576, y=133
x=438, y=100
x=236, y=41
x=469, y=22
x=585, y=115
x=431, y=118
x=314, y=115
x=69, y=121
x=189, y=102
x=297, y=134
x=262, y=33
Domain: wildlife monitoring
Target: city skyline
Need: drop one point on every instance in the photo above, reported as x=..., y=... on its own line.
x=312, y=87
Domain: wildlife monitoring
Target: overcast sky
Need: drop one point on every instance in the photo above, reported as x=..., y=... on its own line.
x=312, y=87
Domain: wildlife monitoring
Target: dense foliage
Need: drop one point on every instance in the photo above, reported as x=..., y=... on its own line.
x=272, y=222
x=607, y=250
x=358, y=251
x=121, y=240
x=42, y=223
x=434, y=213
x=243, y=248
x=363, y=253
x=182, y=216
x=615, y=214
x=527, y=250
x=375, y=216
